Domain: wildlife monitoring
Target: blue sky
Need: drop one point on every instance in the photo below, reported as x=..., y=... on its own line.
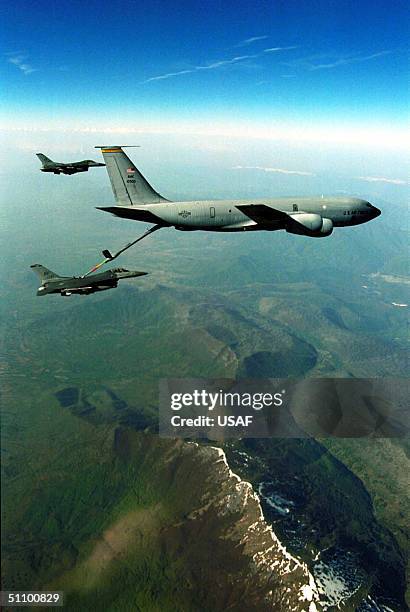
x=317, y=62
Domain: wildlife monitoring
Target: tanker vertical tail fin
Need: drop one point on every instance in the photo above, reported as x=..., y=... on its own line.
x=128, y=184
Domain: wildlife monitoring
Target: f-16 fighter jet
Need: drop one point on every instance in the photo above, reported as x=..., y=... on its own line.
x=70, y=168
x=67, y=285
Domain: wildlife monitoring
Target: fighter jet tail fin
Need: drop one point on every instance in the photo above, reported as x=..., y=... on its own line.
x=43, y=273
x=128, y=184
x=46, y=161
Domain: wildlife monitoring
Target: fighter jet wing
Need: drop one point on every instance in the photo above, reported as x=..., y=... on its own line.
x=264, y=215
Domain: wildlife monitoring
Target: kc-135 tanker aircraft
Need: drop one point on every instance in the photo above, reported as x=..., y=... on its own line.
x=136, y=199
x=315, y=217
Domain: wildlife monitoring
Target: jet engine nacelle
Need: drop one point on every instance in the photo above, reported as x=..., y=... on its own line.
x=326, y=229
x=310, y=224
x=311, y=221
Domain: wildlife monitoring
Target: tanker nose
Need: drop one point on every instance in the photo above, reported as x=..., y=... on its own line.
x=374, y=212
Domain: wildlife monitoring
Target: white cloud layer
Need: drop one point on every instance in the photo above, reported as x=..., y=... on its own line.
x=279, y=170
x=374, y=136
x=382, y=179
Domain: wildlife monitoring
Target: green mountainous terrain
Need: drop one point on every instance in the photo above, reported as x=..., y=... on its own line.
x=97, y=505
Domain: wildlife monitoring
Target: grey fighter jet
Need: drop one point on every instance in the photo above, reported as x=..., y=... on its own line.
x=308, y=216
x=69, y=168
x=82, y=285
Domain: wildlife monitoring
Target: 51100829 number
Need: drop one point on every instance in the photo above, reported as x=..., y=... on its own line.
x=32, y=598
